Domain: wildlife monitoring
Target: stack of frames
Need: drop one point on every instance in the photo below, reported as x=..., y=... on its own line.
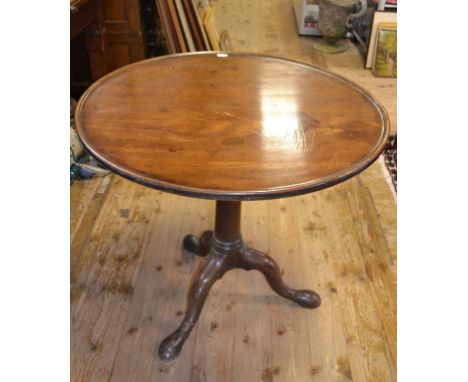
x=183, y=26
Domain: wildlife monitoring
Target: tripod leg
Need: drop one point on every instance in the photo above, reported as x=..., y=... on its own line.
x=201, y=246
x=213, y=269
x=253, y=259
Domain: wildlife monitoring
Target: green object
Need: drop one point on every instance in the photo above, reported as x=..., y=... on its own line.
x=385, y=58
x=75, y=170
x=330, y=46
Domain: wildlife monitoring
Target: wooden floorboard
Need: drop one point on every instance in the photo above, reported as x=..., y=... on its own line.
x=253, y=325
x=129, y=274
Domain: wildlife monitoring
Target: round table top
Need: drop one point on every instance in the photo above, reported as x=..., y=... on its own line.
x=230, y=126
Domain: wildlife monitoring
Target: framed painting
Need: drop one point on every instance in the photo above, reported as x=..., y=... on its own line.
x=385, y=53
x=379, y=17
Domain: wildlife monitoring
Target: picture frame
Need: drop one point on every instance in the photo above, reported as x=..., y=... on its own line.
x=379, y=17
x=384, y=62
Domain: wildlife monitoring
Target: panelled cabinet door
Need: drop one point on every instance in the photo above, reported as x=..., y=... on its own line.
x=106, y=35
x=121, y=20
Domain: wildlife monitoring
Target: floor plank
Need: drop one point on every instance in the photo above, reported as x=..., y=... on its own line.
x=253, y=325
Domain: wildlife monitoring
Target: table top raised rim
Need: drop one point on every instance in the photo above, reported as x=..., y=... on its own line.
x=269, y=193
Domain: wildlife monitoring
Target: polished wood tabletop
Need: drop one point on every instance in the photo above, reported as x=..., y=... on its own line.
x=231, y=126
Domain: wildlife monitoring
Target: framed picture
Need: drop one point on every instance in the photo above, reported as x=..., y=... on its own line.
x=379, y=17
x=385, y=54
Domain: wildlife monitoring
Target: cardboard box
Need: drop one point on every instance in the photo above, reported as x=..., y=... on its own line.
x=307, y=13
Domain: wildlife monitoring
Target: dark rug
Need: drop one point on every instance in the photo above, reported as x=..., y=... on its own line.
x=390, y=156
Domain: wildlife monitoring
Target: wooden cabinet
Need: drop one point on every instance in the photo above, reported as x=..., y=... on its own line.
x=124, y=29
x=108, y=34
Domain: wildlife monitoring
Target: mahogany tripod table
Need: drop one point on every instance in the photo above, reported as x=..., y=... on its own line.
x=230, y=127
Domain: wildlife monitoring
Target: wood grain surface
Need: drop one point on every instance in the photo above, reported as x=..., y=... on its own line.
x=130, y=276
x=231, y=126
